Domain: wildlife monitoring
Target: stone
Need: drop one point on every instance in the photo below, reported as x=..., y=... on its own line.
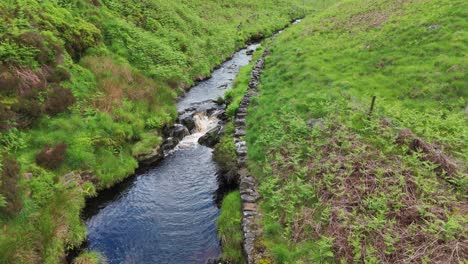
x=151, y=157
x=315, y=122
x=240, y=122
x=212, y=137
x=249, y=198
x=239, y=132
x=179, y=131
x=28, y=176
x=188, y=122
x=250, y=207
x=170, y=143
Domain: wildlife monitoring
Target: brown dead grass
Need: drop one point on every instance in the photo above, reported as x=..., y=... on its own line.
x=117, y=82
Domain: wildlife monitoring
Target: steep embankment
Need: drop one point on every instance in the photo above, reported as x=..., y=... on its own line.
x=86, y=86
x=340, y=185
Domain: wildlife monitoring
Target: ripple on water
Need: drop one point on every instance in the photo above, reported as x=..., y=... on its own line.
x=167, y=216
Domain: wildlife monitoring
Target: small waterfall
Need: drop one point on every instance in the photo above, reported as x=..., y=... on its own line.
x=203, y=124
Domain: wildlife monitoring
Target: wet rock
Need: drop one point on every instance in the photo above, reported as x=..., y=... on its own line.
x=250, y=52
x=220, y=114
x=170, y=143
x=179, y=131
x=223, y=86
x=150, y=157
x=188, y=122
x=212, y=137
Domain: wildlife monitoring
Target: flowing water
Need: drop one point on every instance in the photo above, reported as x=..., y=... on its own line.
x=167, y=214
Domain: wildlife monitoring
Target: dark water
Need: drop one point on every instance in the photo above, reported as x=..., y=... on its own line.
x=220, y=81
x=167, y=214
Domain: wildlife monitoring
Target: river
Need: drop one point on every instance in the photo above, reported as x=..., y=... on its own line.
x=167, y=214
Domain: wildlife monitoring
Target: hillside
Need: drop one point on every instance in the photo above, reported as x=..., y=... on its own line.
x=86, y=86
x=339, y=184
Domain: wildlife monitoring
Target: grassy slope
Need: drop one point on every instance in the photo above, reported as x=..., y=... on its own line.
x=124, y=62
x=351, y=190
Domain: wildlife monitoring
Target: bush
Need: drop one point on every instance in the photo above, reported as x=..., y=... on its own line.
x=51, y=158
x=27, y=111
x=58, y=74
x=58, y=101
x=8, y=82
x=5, y=118
x=9, y=187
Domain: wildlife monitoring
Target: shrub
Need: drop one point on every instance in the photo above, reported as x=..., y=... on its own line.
x=51, y=157
x=8, y=82
x=90, y=257
x=46, y=49
x=27, y=111
x=10, y=188
x=58, y=74
x=6, y=117
x=59, y=100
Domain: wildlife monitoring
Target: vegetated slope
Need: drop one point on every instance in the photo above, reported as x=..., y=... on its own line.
x=86, y=86
x=389, y=188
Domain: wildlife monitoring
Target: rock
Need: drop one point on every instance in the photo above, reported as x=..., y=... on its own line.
x=315, y=122
x=239, y=132
x=250, y=207
x=188, y=122
x=250, y=52
x=220, y=114
x=170, y=143
x=432, y=27
x=212, y=137
x=179, y=131
x=223, y=86
x=28, y=176
x=151, y=157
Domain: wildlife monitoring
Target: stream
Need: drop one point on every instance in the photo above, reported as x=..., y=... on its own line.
x=167, y=214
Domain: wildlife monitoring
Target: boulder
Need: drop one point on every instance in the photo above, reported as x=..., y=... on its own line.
x=212, y=137
x=179, y=131
x=150, y=157
x=188, y=122
x=170, y=143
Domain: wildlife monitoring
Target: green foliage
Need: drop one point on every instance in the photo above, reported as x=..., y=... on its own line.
x=147, y=142
x=225, y=151
x=89, y=257
x=101, y=77
x=347, y=190
x=229, y=228
x=240, y=85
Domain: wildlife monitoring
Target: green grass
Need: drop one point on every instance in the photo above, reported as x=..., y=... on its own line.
x=349, y=190
x=124, y=62
x=89, y=257
x=229, y=228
